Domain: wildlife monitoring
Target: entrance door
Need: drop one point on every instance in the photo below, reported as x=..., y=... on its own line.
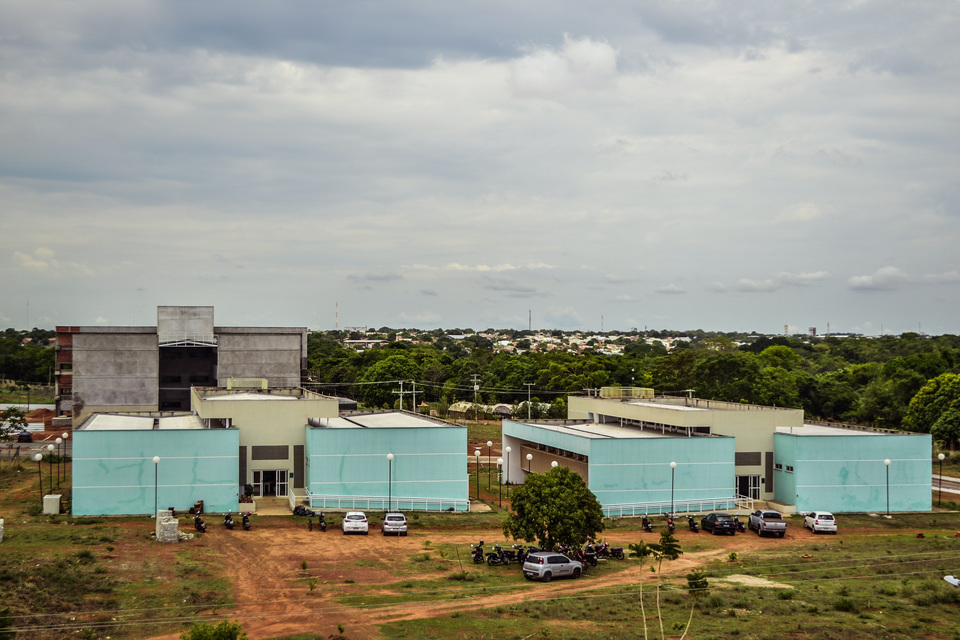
x=270, y=482
x=748, y=486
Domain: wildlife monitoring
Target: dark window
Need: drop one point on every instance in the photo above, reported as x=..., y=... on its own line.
x=747, y=458
x=170, y=379
x=270, y=452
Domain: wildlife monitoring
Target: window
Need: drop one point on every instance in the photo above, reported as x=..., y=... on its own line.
x=778, y=466
x=789, y=469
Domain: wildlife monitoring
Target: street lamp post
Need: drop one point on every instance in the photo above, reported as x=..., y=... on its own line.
x=489, y=444
x=529, y=458
x=59, y=441
x=66, y=436
x=500, y=475
x=38, y=457
x=477, y=455
x=389, y=481
x=887, y=465
x=50, y=464
x=673, y=473
x=156, y=485
x=940, y=491
x=507, y=468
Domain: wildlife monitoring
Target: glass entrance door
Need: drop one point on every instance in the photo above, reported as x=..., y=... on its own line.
x=270, y=482
x=748, y=486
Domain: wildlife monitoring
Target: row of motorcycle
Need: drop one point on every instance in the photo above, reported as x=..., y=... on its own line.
x=201, y=526
x=588, y=554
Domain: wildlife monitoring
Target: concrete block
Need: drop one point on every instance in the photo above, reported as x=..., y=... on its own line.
x=167, y=527
x=51, y=504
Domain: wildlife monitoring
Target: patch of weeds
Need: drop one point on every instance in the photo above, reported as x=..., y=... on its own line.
x=349, y=581
x=421, y=557
x=846, y=604
x=785, y=594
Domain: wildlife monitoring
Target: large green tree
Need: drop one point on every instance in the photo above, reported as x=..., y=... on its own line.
x=554, y=508
x=932, y=402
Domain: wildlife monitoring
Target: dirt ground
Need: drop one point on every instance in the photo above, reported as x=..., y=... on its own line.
x=273, y=598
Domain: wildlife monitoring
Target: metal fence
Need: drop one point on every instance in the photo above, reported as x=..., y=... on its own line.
x=679, y=506
x=381, y=503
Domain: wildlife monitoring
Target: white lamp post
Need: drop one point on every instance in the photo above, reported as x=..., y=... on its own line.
x=673, y=472
x=477, y=456
x=887, y=464
x=59, y=441
x=507, y=469
x=500, y=476
x=529, y=458
x=66, y=436
x=940, y=491
x=50, y=463
x=489, y=444
x=156, y=485
x=554, y=464
x=389, y=481
x=38, y=457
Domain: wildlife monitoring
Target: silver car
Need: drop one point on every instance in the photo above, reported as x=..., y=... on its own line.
x=546, y=566
x=395, y=523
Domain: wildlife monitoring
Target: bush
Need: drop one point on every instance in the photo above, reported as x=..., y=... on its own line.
x=846, y=604
x=223, y=631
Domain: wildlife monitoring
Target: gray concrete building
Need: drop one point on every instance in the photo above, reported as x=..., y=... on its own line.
x=153, y=368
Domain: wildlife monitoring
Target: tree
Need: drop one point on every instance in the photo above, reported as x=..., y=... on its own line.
x=554, y=508
x=223, y=631
x=947, y=428
x=668, y=548
x=642, y=551
x=932, y=401
x=12, y=421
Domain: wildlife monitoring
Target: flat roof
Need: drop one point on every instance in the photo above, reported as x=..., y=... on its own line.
x=249, y=395
x=663, y=405
x=600, y=430
x=826, y=430
x=121, y=422
x=384, y=420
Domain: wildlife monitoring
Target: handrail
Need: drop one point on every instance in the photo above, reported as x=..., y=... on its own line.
x=679, y=506
x=380, y=503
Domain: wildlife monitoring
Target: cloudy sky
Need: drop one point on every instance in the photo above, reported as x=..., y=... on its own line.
x=714, y=165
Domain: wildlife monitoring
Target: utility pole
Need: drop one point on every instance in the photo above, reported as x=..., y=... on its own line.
x=414, y=407
x=401, y=393
x=528, y=385
x=476, y=388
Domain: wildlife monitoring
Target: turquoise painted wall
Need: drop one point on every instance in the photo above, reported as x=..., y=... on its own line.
x=114, y=473
x=429, y=464
x=637, y=470
x=847, y=474
x=785, y=484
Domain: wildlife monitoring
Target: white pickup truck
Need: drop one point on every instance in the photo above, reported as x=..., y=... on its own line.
x=767, y=521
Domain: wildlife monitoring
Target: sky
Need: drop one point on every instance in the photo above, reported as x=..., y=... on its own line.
x=724, y=166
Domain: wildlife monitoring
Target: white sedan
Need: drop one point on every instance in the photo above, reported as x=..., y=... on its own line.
x=818, y=521
x=355, y=522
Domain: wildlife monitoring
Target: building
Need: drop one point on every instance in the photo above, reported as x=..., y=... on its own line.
x=284, y=443
x=110, y=369
x=776, y=457
x=631, y=469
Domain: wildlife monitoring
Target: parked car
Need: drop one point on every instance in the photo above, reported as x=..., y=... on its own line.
x=818, y=521
x=395, y=523
x=767, y=521
x=546, y=566
x=24, y=436
x=718, y=523
x=355, y=522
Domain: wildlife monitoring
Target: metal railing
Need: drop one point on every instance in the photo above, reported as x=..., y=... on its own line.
x=381, y=503
x=679, y=506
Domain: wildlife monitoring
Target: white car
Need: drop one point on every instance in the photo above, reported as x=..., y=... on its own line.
x=355, y=522
x=818, y=521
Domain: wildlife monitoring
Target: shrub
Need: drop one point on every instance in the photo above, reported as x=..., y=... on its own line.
x=845, y=604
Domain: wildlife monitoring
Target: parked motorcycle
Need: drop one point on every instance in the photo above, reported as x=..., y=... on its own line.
x=671, y=527
x=693, y=524
x=497, y=556
x=586, y=555
x=198, y=524
x=646, y=524
x=514, y=553
x=740, y=527
x=477, y=552
x=604, y=550
x=322, y=522
x=246, y=521
x=228, y=520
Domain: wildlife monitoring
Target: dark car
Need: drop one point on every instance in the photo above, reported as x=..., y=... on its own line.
x=718, y=523
x=24, y=436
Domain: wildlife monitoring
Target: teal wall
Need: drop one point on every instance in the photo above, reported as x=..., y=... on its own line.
x=847, y=474
x=429, y=467
x=625, y=471
x=637, y=470
x=114, y=473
